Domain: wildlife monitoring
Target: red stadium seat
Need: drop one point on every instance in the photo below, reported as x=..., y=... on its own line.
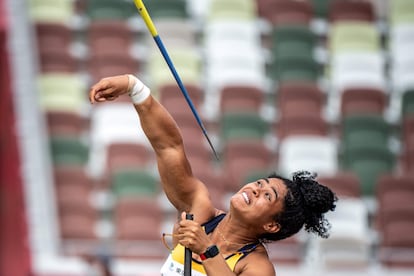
x=351, y=10
x=285, y=11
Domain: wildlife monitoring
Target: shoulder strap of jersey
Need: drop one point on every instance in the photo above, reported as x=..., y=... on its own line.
x=210, y=225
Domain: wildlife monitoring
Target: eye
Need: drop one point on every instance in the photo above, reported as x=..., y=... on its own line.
x=268, y=196
x=259, y=184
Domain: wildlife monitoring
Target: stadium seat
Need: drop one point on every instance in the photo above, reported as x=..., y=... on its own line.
x=355, y=68
x=137, y=219
x=299, y=97
x=407, y=103
x=349, y=242
x=175, y=33
x=53, y=36
x=58, y=11
x=67, y=150
x=295, y=68
x=321, y=8
x=58, y=62
x=242, y=125
x=288, y=40
x=300, y=123
x=317, y=154
x=401, y=75
x=241, y=157
x=288, y=252
x=66, y=123
x=121, y=156
x=369, y=130
x=393, y=193
x=285, y=12
x=345, y=184
x=234, y=69
x=78, y=224
x=62, y=91
x=224, y=74
x=363, y=100
x=218, y=32
x=171, y=96
x=345, y=10
x=73, y=185
x=111, y=64
x=400, y=40
x=167, y=9
x=397, y=246
x=353, y=36
x=231, y=10
x=190, y=130
x=108, y=36
x=116, y=122
x=113, y=123
x=235, y=98
x=407, y=130
x=134, y=183
x=187, y=62
x=368, y=163
x=109, y=9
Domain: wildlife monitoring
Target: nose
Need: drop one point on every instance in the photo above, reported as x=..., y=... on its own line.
x=255, y=190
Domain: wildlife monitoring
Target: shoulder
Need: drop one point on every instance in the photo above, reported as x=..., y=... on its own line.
x=256, y=263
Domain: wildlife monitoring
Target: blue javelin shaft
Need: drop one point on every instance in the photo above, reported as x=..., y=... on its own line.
x=167, y=58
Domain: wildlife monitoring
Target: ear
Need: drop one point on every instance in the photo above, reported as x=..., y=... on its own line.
x=271, y=227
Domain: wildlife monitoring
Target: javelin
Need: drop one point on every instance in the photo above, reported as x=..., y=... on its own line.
x=151, y=28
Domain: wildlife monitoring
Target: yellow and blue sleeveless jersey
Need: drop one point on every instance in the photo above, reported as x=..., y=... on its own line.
x=174, y=265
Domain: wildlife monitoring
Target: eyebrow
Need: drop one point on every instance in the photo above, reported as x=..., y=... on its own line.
x=273, y=188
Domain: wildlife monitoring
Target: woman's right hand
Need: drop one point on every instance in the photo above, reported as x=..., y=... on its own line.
x=191, y=235
x=108, y=89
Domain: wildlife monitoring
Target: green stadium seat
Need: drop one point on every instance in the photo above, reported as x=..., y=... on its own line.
x=295, y=68
x=68, y=151
x=407, y=103
x=243, y=125
x=321, y=8
x=368, y=163
x=134, y=183
x=110, y=9
x=167, y=9
x=365, y=130
x=292, y=40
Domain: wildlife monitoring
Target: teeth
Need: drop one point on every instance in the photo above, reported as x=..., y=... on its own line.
x=246, y=198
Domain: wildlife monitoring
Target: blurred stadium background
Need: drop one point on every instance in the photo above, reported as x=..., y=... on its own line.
x=323, y=85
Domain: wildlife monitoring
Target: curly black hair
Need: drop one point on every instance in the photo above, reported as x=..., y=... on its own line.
x=305, y=204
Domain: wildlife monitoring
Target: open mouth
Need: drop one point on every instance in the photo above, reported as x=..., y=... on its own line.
x=246, y=198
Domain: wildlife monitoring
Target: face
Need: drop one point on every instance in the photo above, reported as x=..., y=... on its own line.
x=259, y=201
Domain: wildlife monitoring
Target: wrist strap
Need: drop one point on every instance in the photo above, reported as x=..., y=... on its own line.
x=137, y=90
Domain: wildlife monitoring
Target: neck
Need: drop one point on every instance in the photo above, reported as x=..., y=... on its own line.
x=233, y=236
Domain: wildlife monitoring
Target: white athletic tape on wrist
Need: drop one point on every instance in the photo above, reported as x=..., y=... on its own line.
x=139, y=92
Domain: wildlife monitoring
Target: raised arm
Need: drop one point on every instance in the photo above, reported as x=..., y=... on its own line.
x=183, y=190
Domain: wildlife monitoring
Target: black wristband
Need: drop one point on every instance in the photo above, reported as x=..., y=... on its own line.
x=211, y=252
